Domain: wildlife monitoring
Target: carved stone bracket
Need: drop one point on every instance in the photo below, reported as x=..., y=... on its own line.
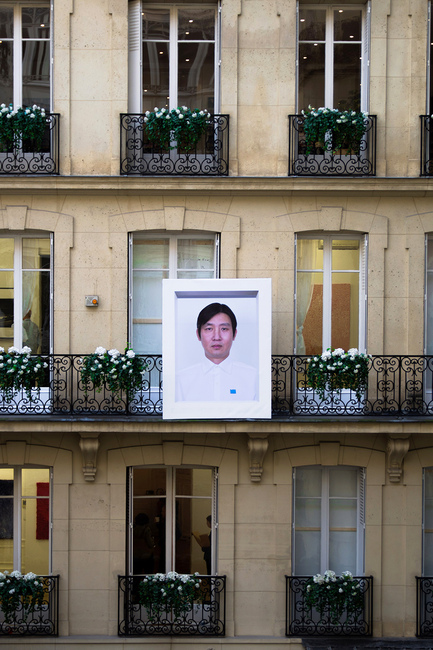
x=257, y=447
x=89, y=445
x=396, y=449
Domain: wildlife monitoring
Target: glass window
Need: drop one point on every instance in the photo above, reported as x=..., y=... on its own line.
x=154, y=258
x=328, y=520
x=25, y=292
x=25, y=55
x=172, y=512
x=332, y=54
x=330, y=293
x=25, y=519
x=178, y=56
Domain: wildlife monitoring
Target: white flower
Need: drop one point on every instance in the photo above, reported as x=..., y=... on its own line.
x=13, y=350
x=100, y=351
x=130, y=354
x=26, y=350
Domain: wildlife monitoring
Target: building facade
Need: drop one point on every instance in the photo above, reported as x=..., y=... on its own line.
x=95, y=216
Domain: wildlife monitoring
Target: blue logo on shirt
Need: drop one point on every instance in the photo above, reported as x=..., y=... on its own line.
x=232, y=391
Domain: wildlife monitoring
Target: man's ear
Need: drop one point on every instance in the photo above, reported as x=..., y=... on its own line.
x=234, y=335
x=198, y=335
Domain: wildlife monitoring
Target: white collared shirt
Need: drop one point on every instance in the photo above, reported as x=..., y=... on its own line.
x=227, y=381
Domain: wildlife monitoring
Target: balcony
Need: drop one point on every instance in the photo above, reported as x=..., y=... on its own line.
x=426, y=162
x=30, y=160
x=321, y=161
x=140, y=158
x=206, y=617
x=424, y=607
x=43, y=620
x=349, y=619
x=398, y=387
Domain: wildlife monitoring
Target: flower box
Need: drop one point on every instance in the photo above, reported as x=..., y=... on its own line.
x=336, y=370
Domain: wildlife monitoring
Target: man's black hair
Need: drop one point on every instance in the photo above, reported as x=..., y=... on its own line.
x=212, y=310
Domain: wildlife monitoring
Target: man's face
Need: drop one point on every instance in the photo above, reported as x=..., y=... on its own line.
x=216, y=337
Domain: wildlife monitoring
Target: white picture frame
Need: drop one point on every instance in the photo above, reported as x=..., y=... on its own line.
x=250, y=300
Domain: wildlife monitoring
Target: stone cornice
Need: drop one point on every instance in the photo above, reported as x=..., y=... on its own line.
x=230, y=185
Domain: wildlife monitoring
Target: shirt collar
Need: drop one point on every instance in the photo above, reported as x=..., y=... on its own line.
x=224, y=366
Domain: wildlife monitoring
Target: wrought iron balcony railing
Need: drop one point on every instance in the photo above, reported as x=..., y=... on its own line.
x=205, y=618
x=27, y=159
x=43, y=620
x=424, y=607
x=398, y=386
x=140, y=157
x=426, y=161
x=359, y=160
x=302, y=620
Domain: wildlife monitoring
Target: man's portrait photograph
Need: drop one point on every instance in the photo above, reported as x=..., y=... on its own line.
x=216, y=348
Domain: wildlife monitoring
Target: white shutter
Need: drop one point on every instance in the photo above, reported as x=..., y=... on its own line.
x=363, y=260
x=134, y=56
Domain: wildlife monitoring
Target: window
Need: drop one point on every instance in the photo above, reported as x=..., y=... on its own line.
x=330, y=293
x=428, y=522
x=154, y=258
x=333, y=56
x=25, y=292
x=172, y=56
x=25, y=519
x=328, y=530
x=172, y=520
x=25, y=54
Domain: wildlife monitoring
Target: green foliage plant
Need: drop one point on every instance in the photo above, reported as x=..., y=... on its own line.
x=116, y=371
x=20, y=595
x=334, y=595
x=337, y=369
x=165, y=592
x=181, y=125
x=334, y=129
x=22, y=124
x=20, y=370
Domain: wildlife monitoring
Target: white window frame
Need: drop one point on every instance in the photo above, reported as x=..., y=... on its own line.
x=172, y=263
x=325, y=524
x=135, y=44
x=329, y=51
x=17, y=48
x=170, y=503
x=327, y=285
x=18, y=284
x=17, y=502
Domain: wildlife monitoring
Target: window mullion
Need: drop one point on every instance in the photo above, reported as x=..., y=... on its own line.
x=17, y=518
x=17, y=57
x=173, y=58
x=327, y=293
x=324, y=522
x=329, y=58
x=18, y=291
x=170, y=520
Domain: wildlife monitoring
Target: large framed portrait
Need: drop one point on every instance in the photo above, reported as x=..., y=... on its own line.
x=216, y=348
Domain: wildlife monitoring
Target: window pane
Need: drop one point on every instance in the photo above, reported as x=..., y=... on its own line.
x=194, y=482
x=6, y=254
x=6, y=72
x=196, y=75
x=6, y=22
x=196, y=24
x=342, y=551
x=347, y=24
x=155, y=75
x=6, y=518
x=36, y=311
x=36, y=22
x=147, y=287
x=152, y=254
x=307, y=553
x=307, y=512
x=342, y=513
x=308, y=481
x=156, y=24
x=310, y=254
x=148, y=539
x=311, y=75
x=345, y=254
x=347, y=76
x=428, y=522
x=343, y=482
x=35, y=521
x=36, y=73
x=345, y=310
x=195, y=254
x=312, y=24
x=193, y=536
